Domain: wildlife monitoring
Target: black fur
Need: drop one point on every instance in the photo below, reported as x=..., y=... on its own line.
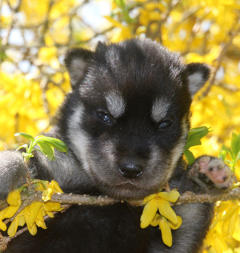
x=141, y=74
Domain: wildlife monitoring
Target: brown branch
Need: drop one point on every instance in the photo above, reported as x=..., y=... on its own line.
x=219, y=60
x=158, y=32
x=70, y=199
x=4, y=240
x=46, y=22
x=185, y=198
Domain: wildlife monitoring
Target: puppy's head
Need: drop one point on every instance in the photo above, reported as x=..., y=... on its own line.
x=128, y=120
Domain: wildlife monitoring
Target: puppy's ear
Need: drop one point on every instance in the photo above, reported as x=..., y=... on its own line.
x=77, y=61
x=196, y=74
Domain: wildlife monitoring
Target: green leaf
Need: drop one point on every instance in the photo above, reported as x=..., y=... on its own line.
x=47, y=149
x=235, y=145
x=223, y=152
x=27, y=136
x=195, y=135
x=56, y=143
x=189, y=156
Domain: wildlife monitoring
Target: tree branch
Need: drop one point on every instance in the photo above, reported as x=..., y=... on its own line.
x=70, y=199
x=185, y=198
x=232, y=34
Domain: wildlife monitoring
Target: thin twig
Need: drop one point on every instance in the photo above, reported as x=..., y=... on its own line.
x=219, y=61
x=186, y=198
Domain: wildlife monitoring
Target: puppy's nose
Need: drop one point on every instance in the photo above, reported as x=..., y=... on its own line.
x=130, y=170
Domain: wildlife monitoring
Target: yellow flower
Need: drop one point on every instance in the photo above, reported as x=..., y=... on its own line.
x=171, y=196
x=14, y=201
x=166, y=210
x=47, y=194
x=165, y=226
x=3, y=226
x=32, y=215
x=40, y=218
x=177, y=225
x=159, y=202
x=158, y=212
x=14, y=198
x=13, y=227
x=149, y=212
x=166, y=232
x=52, y=187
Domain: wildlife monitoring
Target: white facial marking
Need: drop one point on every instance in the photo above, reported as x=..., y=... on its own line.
x=195, y=80
x=178, y=149
x=160, y=108
x=115, y=104
x=78, y=137
x=109, y=151
x=154, y=157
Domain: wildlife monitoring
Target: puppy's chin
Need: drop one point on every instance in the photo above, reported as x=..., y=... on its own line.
x=128, y=191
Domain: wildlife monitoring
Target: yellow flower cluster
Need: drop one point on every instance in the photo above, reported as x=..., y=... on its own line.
x=158, y=212
x=32, y=215
x=224, y=233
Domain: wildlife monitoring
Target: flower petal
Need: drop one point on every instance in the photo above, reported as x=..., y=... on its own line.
x=14, y=198
x=236, y=233
x=156, y=220
x=3, y=226
x=149, y=213
x=149, y=197
x=8, y=212
x=55, y=186
x=40, y=187
x=33, y=229
x=47, y=194
x=50, y=214
x=171, y=196
x=52, y=206
x=40, y=219
x=31, y=212
x=21, y=221
x=166, y=210
x=13, y=227
x=177, y=225
x=166, y=232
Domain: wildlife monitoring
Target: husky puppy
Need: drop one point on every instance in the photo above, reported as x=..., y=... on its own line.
x=125, y=123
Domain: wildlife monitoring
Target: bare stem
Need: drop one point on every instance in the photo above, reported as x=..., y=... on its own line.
x=69, y=199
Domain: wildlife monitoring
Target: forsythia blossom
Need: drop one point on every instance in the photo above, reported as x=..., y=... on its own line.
x=226, y=224
x=14, y=201
x=32, y=215
x=158, y=212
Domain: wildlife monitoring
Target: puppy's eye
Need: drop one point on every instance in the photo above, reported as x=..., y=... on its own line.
x=105, y=117
x=164, y=124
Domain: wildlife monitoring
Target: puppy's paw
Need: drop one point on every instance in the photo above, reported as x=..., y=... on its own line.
x=211, y=173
